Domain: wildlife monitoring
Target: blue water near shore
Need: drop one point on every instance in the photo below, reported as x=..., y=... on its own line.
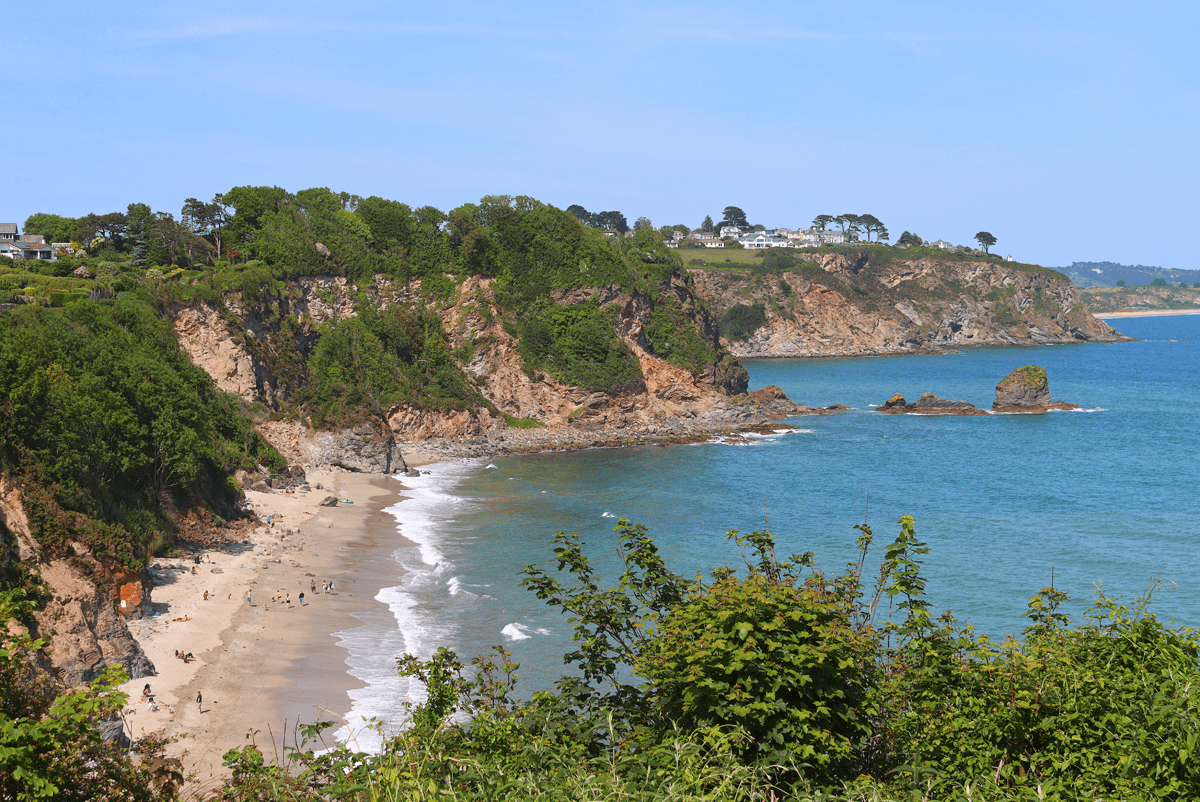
x=1106, y=495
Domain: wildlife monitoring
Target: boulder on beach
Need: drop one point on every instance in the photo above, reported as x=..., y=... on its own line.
x=1026, y=389
x=329, y=501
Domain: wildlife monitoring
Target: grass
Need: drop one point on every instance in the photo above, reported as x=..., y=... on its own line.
x=718, y=256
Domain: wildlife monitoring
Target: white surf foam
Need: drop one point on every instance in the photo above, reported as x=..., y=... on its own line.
x=607, y=515
x=424, y=573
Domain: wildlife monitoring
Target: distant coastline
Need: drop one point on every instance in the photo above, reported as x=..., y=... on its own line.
x=1146, y=313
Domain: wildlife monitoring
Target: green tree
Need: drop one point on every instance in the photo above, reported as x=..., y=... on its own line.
x=1121, y=283
x=1159, y=282
x=985, y=239
x=642, y=222
x=206, y=219
x=111, y=226
x=53, y=227
x=582, y=215
x=1183, y=285
x=707, y=224
x=733, y=216
x=820, y=221
x=909, y=239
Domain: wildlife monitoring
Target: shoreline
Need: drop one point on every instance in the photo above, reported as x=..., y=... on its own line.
x=1146, y=313
x=261, y=665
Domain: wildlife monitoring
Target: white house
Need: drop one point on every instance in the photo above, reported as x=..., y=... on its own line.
x=816, y=237
x=941, y=243
x=27, y=250
x=8, y=232
x=730, y=231
x=762, y=239
x=708, y=242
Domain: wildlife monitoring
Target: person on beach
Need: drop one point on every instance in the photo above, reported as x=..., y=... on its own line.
x=249, y=601
x=301, y=598
x=324, y=587
x=199, y=702
x=146, y=690
x=206, y=595
x=193, y=570
x=289, y=600
x=312, y=586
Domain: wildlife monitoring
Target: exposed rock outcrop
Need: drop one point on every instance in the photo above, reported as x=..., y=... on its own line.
x=1027, y=389
x=928, y=404
x=843, y=305
x=82, y=622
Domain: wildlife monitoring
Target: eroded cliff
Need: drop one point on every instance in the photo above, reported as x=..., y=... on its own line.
x=857, y=304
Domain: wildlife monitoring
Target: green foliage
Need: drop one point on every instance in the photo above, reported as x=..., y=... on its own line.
x=50, y=743
x=367, y=363
x=1159, y=282
x=576, y=344
x=53, y=227
x=102, y=413
x=675, y=338
x=741, y=320
x=784, y=657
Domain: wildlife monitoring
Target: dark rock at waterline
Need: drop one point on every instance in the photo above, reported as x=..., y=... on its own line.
x=928, y=404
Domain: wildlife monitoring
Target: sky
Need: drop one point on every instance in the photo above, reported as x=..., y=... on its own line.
x=1068, y=130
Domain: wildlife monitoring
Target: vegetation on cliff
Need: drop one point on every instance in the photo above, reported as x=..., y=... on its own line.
x=527, y=254
x=110, y=429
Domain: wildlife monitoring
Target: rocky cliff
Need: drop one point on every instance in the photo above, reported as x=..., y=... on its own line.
x=86, y=603
x=235, y=344
x=848, y=304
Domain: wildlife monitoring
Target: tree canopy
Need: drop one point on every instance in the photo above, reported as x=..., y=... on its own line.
x=985, y=239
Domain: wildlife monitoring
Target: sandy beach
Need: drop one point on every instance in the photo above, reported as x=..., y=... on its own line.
x=1146, y=313
x=261, y=663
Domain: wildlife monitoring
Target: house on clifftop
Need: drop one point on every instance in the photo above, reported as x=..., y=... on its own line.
x=24, y=246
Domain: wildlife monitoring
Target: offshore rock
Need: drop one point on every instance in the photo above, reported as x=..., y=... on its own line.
x=928, y=404
x=1026, y=389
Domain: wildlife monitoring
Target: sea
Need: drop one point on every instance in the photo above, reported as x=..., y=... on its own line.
x=1105, y=498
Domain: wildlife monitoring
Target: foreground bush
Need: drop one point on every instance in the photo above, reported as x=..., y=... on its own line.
x=783, y=683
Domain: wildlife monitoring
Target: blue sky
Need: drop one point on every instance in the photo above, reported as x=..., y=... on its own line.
x=1067, y=129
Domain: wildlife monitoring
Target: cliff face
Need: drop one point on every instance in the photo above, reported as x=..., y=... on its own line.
x=83, y=620
x=847, y=306
x=230, y=346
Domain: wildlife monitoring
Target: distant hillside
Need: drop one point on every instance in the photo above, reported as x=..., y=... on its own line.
x=1107, y=274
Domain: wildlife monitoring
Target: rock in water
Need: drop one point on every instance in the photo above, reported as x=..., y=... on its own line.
x=928, y=404
x=1024, y=387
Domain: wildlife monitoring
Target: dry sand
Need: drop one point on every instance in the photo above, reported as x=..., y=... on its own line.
x=1146, y=313
x=261, y=665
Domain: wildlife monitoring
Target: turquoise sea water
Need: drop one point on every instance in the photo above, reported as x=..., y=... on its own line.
x=1107, y=495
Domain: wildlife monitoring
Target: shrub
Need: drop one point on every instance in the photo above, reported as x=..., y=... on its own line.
x=741, y=320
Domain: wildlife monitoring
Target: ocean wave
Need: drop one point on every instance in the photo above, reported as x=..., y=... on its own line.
x=755, y=438
x=516, y=631
x=607, y=515
x=413, y=623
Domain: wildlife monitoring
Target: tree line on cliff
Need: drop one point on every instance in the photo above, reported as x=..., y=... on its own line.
x=267, y=236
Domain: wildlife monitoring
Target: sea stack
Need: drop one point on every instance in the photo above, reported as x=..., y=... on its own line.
x=1026, y=389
